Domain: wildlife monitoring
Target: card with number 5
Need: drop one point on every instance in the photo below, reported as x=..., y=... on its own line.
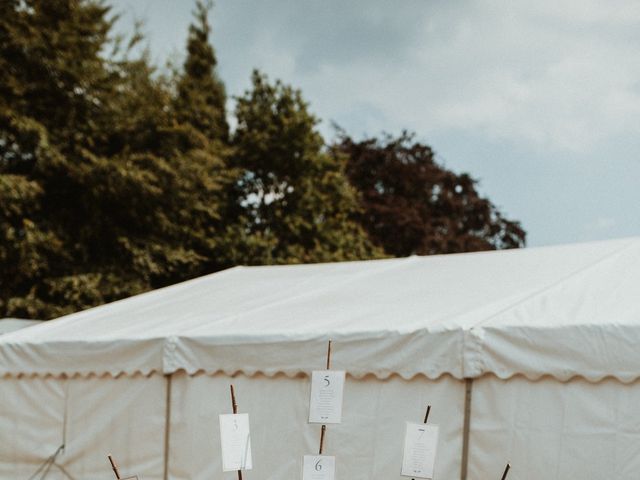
x=325, y=405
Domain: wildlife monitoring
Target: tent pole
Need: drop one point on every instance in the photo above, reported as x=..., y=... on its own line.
x=468, y=387
x=167, y=426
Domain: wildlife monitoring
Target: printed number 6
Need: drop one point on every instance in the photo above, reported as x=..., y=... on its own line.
x=326, y=379
x=318, y=465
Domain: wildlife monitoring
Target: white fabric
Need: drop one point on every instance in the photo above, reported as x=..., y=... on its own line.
x=368, y=444
x=12, y=324
x=561, y=311
x=93, y=417
x=124, y=417
x=554, y=430
x=31, y=424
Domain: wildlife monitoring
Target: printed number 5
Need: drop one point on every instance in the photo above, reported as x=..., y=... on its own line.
x=318, y=465
x=326, y=379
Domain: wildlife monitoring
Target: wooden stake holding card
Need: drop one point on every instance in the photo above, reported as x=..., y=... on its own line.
x=325, y=406
x=234, y=409
x=116, y=470
x=323, y=429
x=114, y=466
x=506, y=471
x=235, y=439
x=327, y=386
x=426, y=418
x=426, y=415
x=420, y=443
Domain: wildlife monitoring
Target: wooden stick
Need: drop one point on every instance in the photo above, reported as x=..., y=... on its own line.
x=322, y=430
x=234, y=407
x=114, y=466
x=426, y=417
x=506, y=470
x=324, y=427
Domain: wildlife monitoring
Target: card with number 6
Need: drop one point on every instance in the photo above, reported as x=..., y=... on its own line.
x=319, y=467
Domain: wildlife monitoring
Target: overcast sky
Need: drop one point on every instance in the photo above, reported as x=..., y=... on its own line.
x=540, y=101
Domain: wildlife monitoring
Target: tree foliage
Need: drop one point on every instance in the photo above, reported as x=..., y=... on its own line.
x=413, y=205
x=104, y=192
x=293, y=199
x=201, y=94
x=52, y=84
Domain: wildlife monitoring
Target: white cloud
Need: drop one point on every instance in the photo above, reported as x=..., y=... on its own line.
x=560, y=75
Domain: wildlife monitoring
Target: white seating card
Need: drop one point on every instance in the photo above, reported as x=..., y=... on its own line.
x=235, y=441
x=325, y=405
x=419, y=458
x=319, y=467
x=135, y=477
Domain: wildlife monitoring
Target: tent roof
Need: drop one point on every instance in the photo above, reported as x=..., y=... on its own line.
x=12, y=324
x=562, y=311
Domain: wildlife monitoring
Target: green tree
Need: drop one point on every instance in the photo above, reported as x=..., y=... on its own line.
x=413, y=205
x=200, y=138
x=104, y=191
x=201, y=94
x=293, y=200
x=50, y=81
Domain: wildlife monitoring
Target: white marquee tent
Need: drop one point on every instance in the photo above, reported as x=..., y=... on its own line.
x=530, y=356
x=12, y=324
